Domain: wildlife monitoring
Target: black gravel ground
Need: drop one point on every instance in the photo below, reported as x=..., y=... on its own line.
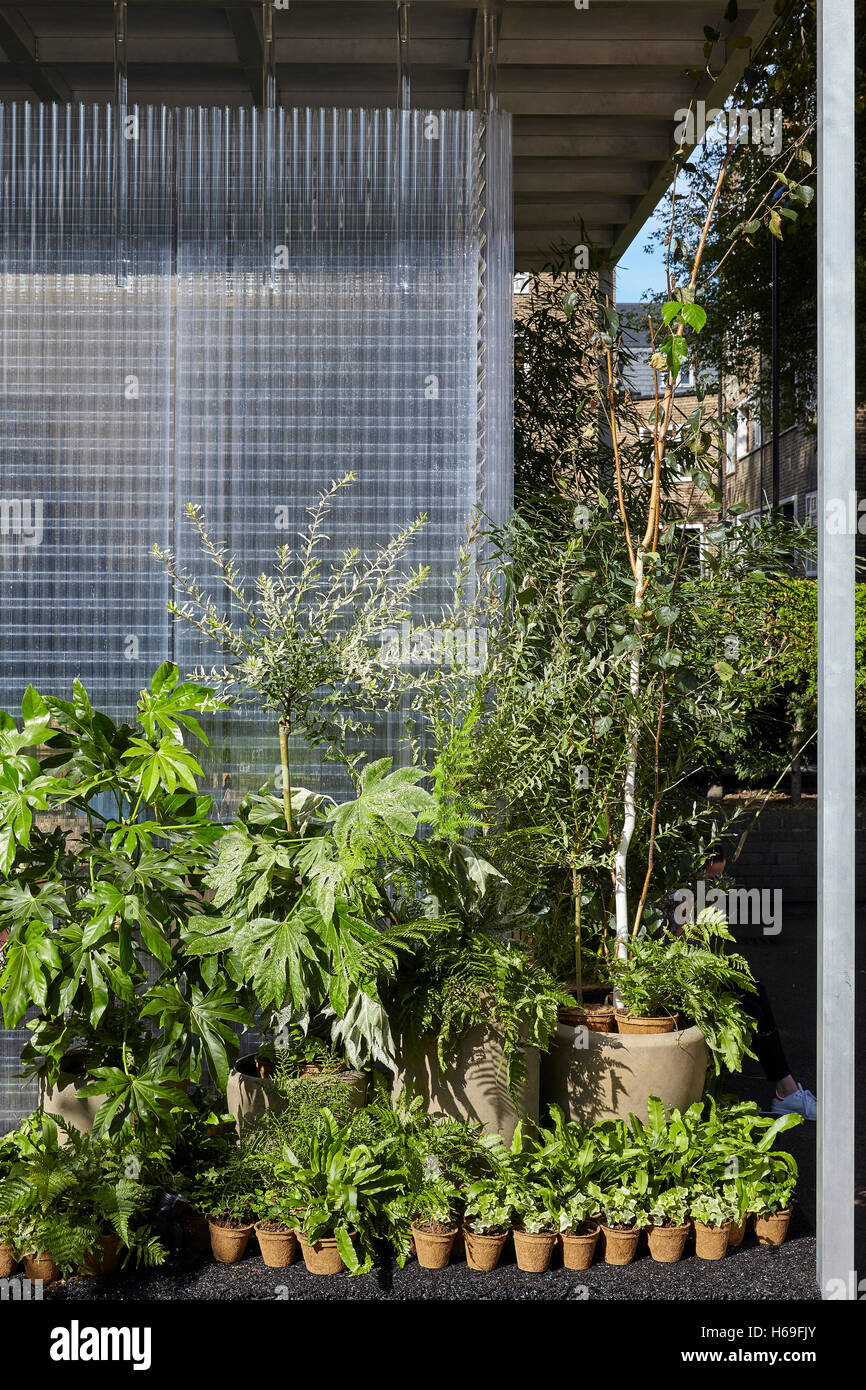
x=753, y=1272
x=787, y=966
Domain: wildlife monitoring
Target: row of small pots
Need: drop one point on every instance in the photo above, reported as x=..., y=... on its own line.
x=41, y=1267
x=278, y=1246
x=534, y=1251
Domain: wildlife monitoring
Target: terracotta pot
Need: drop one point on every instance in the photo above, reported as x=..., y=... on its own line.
x=578, y=1250
x=278, y=1247
x=772, y=1228
x=41, y=1266
x=229, y=1243
x=433, y=1248
x=195, y=1230
x=620, y=1246
x=667, y=1243
x=737, y=1232
x=107, y=1261
x=8, y=1263
x=534, y=1249
x=711, y=1242
x=483, y=1251
x=597, y=1017
x=641, y=1027
x=322, y=1257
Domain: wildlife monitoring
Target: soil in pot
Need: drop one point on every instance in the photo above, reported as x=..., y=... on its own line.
x=772, y=1228
x=578, y=1247
x=8, y=1263
x=620, y=1244
x=322, y=1256
x=433, y=1243
x=483, y=1251
x=641, y=1027
x=278, y=1244
x=711, y=1242
x=228, y=1239
x=667, y=1243
x=534, y=1249
x=106, y=1260
x=737, y=1232
x=41, y=1266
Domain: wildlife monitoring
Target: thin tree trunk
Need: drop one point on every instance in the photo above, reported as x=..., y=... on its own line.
x=629, y=808
x=578, y=942
x=796, y=763
x=287, y=780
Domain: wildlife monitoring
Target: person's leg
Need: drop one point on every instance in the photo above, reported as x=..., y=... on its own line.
x=790, y=1097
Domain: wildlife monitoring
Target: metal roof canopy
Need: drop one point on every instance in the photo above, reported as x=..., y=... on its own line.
x=594, y=92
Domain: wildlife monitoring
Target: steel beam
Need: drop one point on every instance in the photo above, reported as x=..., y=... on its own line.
x=836, y=666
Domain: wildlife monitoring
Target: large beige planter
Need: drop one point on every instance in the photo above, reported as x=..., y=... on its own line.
x=474, y=1085
x=248, y=1097
x=604, y=1076
x=62, y=1102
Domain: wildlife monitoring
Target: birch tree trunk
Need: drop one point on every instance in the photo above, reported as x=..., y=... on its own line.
x=629, y=807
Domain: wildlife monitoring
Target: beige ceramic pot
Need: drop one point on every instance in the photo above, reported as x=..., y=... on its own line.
x=620, y=1245
x=483, y=1251
x=229, y=1243
x=667, y=1243
x=578, y=1250
x=711, y=1242
x=534, y=1249
x=322, y=1256
x=278, y=1247
x=772, y=1228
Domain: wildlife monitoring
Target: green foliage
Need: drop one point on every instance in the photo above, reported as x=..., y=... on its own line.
x=691, y=973
x=97, y=892
x=62, y=1199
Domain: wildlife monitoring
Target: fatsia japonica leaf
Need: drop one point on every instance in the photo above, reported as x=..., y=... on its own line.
x=386, y=800
x=32, y=961
x=198, y=1024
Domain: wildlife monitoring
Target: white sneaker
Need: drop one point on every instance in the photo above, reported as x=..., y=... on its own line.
x=799, y=1102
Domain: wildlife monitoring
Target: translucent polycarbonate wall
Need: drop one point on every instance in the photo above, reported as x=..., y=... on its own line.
x=233, y=308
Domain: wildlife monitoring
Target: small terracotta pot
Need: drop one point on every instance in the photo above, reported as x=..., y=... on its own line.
x=772, y=1228
x=737, y=1232
x=196, y=1231
x=534, y=1249
x=597, y=1017
x=620, y=1246
x=667, y=1243
x=322, y=1256
x=711, y=1242
x=433, y=1248
x=484, y=1251
x=229, y=1243
x=578, y=1250
x=41, y=1266
x=626, y=1023
x=107, y=1261
x=278, y=1247
x=8, y=1263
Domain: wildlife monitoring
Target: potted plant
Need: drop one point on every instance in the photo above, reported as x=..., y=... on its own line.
x=339, y=1189
x=487, y=1220
x=668, y=1227
x=712, y=1213
x=230, y=1222
x=770, y=1197
x=536, y=1225
x=434, y=1229
x=276, y=1228
x=579, y=1228
x=624, y=1217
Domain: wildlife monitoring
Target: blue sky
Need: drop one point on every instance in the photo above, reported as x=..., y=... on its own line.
x=637, y=272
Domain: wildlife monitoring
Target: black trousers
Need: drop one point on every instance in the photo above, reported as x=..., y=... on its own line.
x=766, y=1043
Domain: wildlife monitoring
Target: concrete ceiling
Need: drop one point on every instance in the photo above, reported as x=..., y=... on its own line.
x=593, y=91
